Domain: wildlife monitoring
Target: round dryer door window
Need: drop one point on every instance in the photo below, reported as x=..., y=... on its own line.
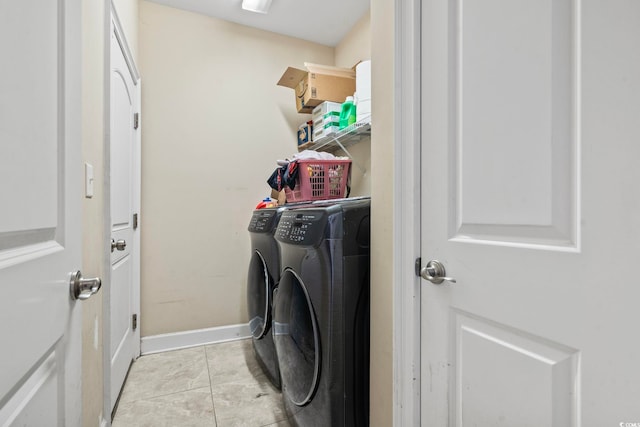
x=259, y=287
x=296, y=335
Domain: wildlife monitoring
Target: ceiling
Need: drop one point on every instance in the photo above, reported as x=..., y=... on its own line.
x=320, y=21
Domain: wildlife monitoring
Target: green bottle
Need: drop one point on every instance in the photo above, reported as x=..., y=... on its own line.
x=348, y=113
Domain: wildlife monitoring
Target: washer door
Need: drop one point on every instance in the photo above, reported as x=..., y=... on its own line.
x=259, y=288
x=297, y=339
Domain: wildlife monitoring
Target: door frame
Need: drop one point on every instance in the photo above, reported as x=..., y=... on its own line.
x=407, y=194
x=112, y=21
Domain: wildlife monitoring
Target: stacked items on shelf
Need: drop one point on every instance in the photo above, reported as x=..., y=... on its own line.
x=321, y=91
x=326, y=118
x=341, y=138
x=363, y=91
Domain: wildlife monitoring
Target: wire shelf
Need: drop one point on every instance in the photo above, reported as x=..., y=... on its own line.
x=339, y=140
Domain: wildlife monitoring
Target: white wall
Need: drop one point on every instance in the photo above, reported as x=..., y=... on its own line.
x=214, y=122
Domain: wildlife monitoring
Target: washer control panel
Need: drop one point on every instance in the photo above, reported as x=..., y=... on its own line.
x=263, y=221
x=300, y=227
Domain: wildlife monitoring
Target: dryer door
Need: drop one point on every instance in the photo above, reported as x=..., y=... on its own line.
x=259, y=293
x=297, y=339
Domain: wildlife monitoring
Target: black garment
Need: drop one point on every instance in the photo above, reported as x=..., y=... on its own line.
x=286, y=175
x=275, y=180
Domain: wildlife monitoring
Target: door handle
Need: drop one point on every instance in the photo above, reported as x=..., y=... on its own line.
x=82, y=288
x=119, y=245
x=435, y=273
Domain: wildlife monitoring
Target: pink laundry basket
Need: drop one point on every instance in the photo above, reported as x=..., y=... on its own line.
x=319, y=180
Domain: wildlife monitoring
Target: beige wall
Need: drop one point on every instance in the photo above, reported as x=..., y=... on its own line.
x=214, y=122
x=382, y=250
x=93, y=19
x=356, y=45
x=197, y=197
x=353, y=48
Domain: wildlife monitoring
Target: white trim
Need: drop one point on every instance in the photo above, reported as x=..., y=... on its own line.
x=137, y=203
x=407, y=237
x=113, y=25
x=122, y=40
x=104, y=423
x=178, y=340
x=106, y=214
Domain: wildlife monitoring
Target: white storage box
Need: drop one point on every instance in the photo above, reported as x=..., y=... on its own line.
x=333, y=116
x=323, y=131
x=326, y=107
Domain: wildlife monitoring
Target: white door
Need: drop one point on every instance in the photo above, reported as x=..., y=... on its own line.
x=530, y=178
x=124, y=336
x=40, y=213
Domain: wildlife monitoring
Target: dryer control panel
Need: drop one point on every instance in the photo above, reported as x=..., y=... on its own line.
x=301, y=227
x=263, y=221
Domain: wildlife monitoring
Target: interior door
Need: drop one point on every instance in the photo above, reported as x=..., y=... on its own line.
x=40, y=214
x=530, y=201
x=124, y=342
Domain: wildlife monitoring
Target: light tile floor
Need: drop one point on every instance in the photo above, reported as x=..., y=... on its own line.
x=219, y=385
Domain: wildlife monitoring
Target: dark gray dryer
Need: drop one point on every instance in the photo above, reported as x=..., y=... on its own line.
x=321, y=313
x=264, y=273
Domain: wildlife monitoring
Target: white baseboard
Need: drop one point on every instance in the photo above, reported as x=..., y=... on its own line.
x=186, y=339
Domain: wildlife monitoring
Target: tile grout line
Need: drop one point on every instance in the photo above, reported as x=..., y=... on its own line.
x=165, y=395
x=151, y=397
x=213, y=404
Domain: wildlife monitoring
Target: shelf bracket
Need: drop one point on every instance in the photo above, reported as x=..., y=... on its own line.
x=358, y=165
x=356, y=130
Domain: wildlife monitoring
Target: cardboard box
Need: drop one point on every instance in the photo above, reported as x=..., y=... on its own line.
x=280, y=196
x=317, y=84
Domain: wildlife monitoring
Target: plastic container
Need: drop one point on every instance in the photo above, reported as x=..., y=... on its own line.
x=348, y=113
x=325, y=108
x=319, y=180
x=267, y=202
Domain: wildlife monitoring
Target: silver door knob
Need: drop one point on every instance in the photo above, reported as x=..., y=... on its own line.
x=83, y=288
x=435, y=273
x=119, y=245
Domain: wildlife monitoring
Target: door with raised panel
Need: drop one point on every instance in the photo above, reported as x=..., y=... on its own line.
x=124, y=336
x=40, y=212
x=530, y=202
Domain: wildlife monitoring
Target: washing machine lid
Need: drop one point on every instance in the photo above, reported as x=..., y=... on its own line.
x=297, y=339
x=260, y=286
